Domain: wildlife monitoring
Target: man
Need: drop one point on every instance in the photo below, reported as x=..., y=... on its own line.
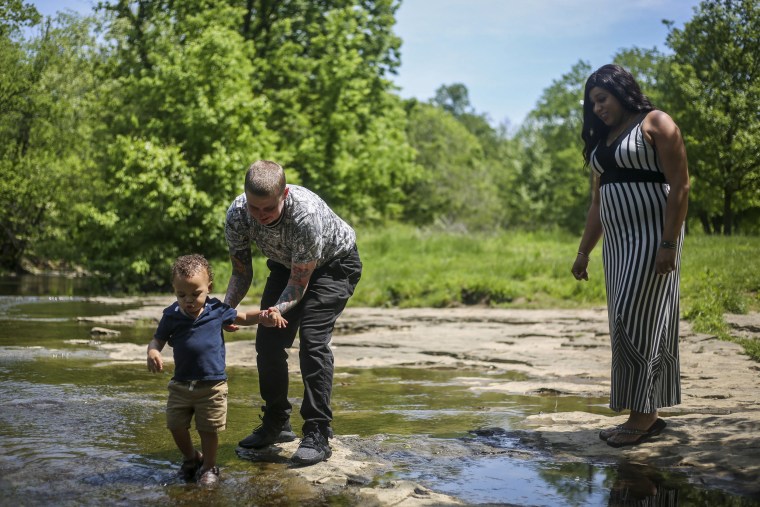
x=314, y=267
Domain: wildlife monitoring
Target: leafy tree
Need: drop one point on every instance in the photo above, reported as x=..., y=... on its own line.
x=457, y=190
x=553, y=185
x=324, y=67
x=715, y=81
x=649, y=67
x=180, y=124
x=453, y=98
x=499, y=159
x=15, y=14
x=206, y=87
x=152, y=210
x=45, y=82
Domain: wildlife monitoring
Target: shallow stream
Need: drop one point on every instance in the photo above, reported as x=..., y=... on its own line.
x=79, y=429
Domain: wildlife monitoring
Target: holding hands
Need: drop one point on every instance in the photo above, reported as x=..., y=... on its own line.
x=272, y=318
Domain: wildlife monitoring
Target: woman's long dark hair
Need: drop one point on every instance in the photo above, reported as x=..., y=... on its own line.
x=620, y=83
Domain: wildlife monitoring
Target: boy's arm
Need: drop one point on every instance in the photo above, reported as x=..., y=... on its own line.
x=155, y=363
x=264, y=317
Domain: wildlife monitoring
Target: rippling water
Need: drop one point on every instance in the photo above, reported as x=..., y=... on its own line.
x=79, y=429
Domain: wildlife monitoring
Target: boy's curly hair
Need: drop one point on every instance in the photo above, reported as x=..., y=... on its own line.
x=188, y=265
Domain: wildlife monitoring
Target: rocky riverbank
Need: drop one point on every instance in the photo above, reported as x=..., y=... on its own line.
x=713, y=436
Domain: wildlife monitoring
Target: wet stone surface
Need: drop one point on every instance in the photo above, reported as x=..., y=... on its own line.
x=432, y=407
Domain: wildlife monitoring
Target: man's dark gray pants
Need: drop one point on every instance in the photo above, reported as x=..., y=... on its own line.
x=326, y=296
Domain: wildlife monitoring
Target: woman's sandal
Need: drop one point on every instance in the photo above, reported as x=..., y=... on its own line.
x=655, y=429
x=191, y=466
x=605, y=434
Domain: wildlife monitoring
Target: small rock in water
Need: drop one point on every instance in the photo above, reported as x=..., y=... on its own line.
x=102, y=331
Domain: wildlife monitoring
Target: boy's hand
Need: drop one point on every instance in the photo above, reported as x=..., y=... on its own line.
x=272, y=318
x=231, y=328
x=155, y=363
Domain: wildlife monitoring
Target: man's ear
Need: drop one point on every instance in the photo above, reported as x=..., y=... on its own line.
x=210, y=287
x=285, y=193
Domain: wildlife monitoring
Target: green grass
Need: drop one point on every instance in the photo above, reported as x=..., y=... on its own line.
x=409, y=267
x=720, y=275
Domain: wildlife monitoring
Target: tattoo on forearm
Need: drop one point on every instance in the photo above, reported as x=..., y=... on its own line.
x=289, y=298
x=293, y=293
x=299, y=275
x=241, y=278
x=236, y=291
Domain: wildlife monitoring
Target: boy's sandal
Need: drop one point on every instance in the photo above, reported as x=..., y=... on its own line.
x=191, y=466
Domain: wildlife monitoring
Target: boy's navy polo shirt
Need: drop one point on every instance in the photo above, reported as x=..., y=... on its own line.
x=198, y=344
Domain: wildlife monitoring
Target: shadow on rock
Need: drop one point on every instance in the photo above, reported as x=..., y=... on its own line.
x=269, y=454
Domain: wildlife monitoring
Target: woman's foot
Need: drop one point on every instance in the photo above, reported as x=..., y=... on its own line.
x=635, y=431
x=607, y=433
x=637, y=421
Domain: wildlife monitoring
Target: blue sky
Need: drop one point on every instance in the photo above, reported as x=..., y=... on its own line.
x=506, y=51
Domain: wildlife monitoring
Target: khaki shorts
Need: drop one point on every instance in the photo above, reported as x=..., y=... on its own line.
x=207, y=400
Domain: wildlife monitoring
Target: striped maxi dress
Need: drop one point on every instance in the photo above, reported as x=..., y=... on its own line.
x=642, y=305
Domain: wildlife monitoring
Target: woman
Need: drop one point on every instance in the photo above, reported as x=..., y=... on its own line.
x=639, y=201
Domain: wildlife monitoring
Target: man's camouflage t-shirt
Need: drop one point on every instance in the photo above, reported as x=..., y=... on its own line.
x=307, y=231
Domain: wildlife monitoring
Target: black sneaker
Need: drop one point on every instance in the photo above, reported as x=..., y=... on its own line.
x=268, y=433
x=313, y=449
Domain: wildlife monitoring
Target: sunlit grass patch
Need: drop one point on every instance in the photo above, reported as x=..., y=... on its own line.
x=407, y=267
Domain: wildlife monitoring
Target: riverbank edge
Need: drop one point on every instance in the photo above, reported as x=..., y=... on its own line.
x=713, y=437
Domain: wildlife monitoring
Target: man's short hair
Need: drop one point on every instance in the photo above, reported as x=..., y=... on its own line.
x=188, y=265
x=265, y=179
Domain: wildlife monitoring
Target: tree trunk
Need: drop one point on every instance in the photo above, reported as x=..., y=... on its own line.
x=247, y=31
x=727, y=215
x=717, y=224
x=705, y=221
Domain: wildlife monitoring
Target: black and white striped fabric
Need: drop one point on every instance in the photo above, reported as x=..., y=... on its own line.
x=642, y=305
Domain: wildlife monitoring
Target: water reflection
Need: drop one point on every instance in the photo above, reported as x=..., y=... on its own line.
x=516, y=478
x=641, y=486
x=78, y=431
x=51, y=285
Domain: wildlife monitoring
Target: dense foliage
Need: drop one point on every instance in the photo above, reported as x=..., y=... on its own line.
x=125, y=135
x=715, y=81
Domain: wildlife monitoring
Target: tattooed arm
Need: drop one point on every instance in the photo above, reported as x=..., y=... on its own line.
x=296, y=288
x=241, y=277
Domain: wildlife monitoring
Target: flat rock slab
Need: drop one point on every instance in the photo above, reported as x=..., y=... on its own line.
x=713, y=436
